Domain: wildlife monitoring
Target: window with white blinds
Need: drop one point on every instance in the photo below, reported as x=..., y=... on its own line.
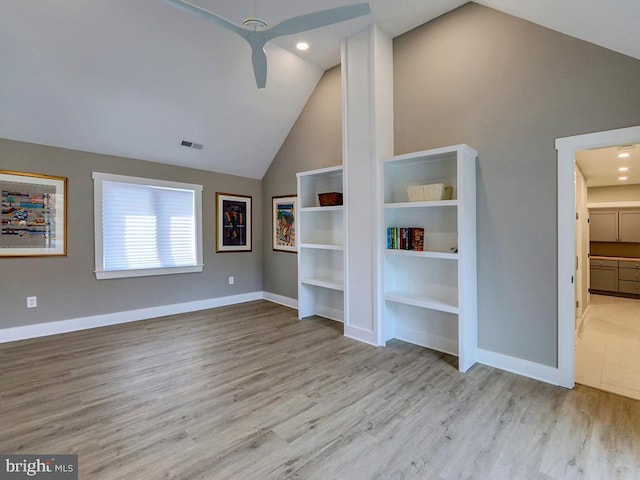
x=146, y=227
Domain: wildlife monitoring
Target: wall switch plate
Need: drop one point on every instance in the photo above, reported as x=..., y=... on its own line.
x=231, y=280
x=32, y=302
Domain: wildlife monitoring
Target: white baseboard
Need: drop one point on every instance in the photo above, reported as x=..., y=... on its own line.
x=63, y=326
x=582, y=321
x=280, y=300
x=519, y=366
x=428, y=340
x=331, y=313
x=364, y=336
x=320, y=310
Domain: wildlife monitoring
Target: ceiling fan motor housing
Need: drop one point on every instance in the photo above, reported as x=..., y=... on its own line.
x=254, y=23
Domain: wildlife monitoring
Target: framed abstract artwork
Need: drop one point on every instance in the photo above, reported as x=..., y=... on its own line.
x=233, y=223
x=34, y=215
x=284, y=211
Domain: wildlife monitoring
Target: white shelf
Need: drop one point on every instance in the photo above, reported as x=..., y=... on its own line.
x=422, y=254
x=320, y=232
x=423, y=301
x=314, y=182
x=430, y=204
x=430, y=296
x=322, y=172
x=322, y=246
x=334, y=208
x=433, y=154
x=331, y=284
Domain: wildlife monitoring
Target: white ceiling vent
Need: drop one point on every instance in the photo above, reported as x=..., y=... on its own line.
x=188, y=144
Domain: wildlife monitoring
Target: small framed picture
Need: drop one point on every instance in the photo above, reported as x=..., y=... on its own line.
x=34, y=215
x=233, y=223
x=284, y=212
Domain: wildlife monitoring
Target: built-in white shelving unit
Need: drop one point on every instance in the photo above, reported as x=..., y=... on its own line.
x=430, y=296
x=321, y=248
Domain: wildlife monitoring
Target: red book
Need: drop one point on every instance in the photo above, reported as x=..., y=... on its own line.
x=417, y=239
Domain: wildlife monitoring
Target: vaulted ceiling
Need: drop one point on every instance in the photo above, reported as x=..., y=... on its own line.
x=135, y=78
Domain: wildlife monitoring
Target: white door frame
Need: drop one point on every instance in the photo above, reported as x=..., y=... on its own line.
x=567, y=148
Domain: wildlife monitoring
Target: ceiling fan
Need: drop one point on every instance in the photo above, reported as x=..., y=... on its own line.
x=257, y=33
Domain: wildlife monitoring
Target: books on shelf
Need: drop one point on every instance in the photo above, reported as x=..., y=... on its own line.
x=405, y=238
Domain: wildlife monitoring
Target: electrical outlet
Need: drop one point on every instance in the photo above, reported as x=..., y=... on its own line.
x=32, y=302
x=231, y=280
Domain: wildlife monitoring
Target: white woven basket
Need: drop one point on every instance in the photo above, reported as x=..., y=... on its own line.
x=429, y=192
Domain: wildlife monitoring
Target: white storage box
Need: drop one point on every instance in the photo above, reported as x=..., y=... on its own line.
x=429, y=192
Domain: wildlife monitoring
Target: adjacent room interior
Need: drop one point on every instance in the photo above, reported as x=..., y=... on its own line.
x=607, y=308
x=243, y=241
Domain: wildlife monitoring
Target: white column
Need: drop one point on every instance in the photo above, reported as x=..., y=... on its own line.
x=367, y=109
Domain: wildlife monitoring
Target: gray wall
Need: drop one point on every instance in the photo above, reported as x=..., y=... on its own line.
x=66, y=286
x=315, y=141
x=509, y=88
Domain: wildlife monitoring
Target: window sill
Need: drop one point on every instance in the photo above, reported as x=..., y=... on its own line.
x=146, y=272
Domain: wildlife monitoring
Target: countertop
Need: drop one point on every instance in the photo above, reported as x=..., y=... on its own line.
x=624, y=259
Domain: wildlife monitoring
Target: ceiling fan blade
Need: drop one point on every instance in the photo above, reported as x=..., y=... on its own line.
x=207, y=15
x=318, y=19
x=259, y=61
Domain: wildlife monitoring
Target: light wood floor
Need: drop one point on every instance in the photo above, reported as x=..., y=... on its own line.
x=249, y=392
x=608, y=349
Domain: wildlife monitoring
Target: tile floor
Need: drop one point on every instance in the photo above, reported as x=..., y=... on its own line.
x=608, y=349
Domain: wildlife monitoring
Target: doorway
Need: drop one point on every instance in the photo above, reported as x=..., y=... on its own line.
x=608, y=252
x=566, y=254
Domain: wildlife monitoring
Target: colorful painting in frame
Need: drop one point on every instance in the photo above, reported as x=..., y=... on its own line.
x=34, y=215
x=233, y=223
x=284, y=223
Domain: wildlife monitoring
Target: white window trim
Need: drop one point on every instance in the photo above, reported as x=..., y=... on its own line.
x=101, y=274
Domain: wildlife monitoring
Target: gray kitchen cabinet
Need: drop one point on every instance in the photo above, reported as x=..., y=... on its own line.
x=629, y=226
x=603, y=226
x=604, y=275
x=614, y=226
x=629, y=277
x=626, y=286
x=629, y=264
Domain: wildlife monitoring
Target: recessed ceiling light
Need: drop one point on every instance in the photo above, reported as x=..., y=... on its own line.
x=302, y=46
x=623, y=155
x=623, y=169
x=622, y=178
